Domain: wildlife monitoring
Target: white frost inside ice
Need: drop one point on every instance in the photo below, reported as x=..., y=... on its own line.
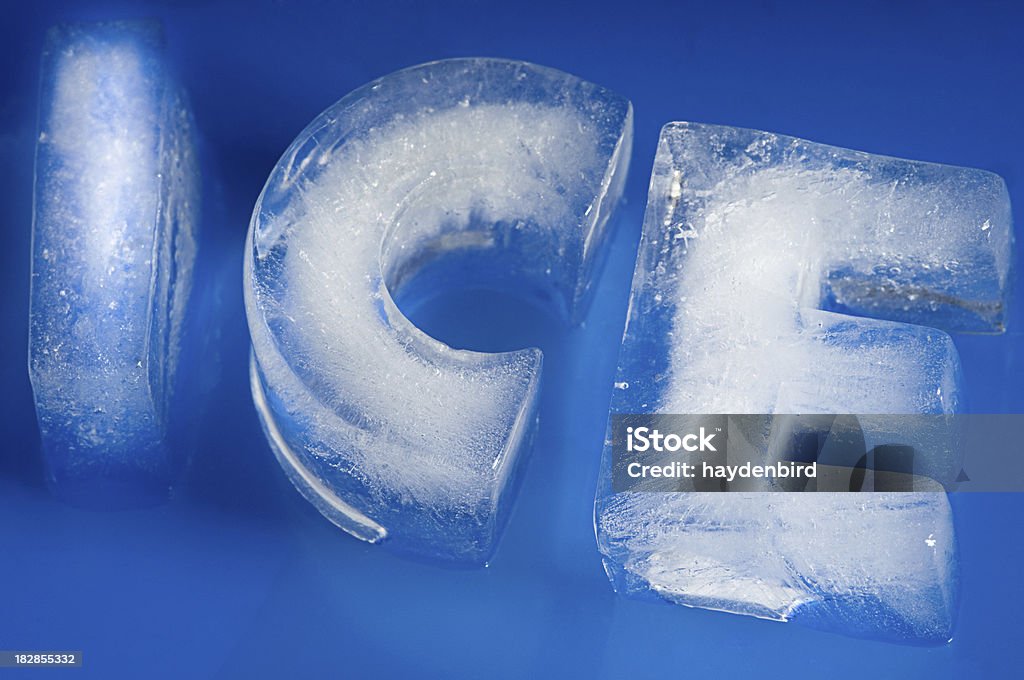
x=752, y=243
x=873, y=564
x=387, y=430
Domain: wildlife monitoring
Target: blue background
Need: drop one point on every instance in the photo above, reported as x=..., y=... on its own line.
x=238, y=577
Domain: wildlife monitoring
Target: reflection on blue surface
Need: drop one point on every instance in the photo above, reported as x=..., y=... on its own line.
x=237, y=576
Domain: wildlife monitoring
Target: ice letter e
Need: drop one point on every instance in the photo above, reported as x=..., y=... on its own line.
x=116, y=201
x=391, y=434
x=779, y=276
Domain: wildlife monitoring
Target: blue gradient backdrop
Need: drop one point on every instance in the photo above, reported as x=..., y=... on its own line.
x=238, y=577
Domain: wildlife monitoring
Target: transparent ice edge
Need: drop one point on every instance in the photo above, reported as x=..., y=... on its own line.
x=340, y=513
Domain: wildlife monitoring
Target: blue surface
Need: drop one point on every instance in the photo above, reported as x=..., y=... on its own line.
x=239, y=577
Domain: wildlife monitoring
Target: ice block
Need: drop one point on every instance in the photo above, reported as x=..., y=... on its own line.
x=394, y=436
x=116, y=209
x=780, y=276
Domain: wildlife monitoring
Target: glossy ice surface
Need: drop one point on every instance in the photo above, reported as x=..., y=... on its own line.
x=392, y=434
x=778, y=276
x=116, y=201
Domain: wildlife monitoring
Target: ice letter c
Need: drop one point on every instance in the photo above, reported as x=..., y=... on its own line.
x=392, y=434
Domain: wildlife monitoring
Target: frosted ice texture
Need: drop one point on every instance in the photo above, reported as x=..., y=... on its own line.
x=116, y=200
x=752, y=245
x=390, y=433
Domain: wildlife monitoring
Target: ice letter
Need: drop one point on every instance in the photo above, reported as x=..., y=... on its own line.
x=391, y=434
x=113, y=246
x=756, y=248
